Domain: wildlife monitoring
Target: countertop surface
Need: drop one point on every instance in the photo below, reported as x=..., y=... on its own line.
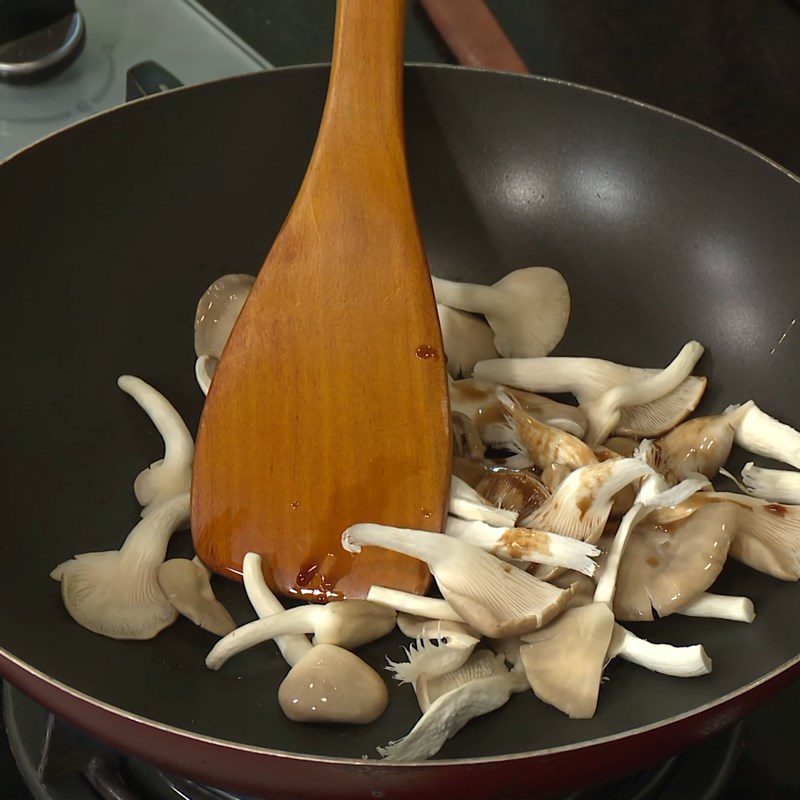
x=734, y=66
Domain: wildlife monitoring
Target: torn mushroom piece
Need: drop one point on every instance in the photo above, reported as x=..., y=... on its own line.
x=116, y=593
x=668, y=565
x=589, y=378
x=467, y=339
x=345, y=623
x=331, y=684
x=545, y=444
x=494, y=598
x=513, y=490
x=523, y=544
x=188, y=587
x=170, y=476
x=440, y=647
x=528, y=309
x=764, y=435
x=478, y=400
x=465, y=502
x=778, y=485
x=480, y=686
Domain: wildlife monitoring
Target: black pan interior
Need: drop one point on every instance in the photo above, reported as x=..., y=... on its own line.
x=111, y=230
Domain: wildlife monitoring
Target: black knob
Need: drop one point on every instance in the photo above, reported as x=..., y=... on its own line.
x=38, y=38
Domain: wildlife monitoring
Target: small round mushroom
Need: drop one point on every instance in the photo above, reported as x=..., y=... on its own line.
x=187, y=586
x=467, y=340
x=331, y=684
x=217, y=312
x=528, y=309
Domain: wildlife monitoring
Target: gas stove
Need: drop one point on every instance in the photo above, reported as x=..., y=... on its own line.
x=179, y=35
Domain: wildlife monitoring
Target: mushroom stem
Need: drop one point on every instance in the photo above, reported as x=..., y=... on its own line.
x=171, y=476
x=465, y=296
x=606, y=583
x=204, y=369
x=764, y=435
x=292, y=646
x=604, y=411
x=467, y=503
x=778, y=485
x=523, y=544
x=718, y=606
x=682, y=662
x=429, y=607
x=300, y=620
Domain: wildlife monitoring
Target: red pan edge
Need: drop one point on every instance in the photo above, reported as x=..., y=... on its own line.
x=266, y=772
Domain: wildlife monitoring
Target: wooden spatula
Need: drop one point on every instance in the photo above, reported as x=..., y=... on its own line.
x=329, y=405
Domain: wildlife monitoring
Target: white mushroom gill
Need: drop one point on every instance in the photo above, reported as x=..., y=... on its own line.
x=172, y=475
x=525, y=545
x=435, y=652
x=766, y=436
x=116, y=593
x=778, y=485
x=528, y=309
x=494, y=598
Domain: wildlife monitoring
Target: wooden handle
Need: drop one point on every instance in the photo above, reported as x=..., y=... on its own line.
x=366, y=80
x=474, y=35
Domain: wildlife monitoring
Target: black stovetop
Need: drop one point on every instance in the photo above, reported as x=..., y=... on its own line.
x=734, y=66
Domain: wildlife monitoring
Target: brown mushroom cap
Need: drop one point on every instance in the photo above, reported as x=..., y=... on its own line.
x=188, y=588
x=666, y=565
x=513, y=490
x=564, y=661
x=331, y=684
x=697, y=445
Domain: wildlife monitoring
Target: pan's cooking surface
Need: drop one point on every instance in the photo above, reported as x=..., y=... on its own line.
x=664, y=232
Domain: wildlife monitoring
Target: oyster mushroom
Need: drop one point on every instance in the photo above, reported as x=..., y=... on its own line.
x=467, y=503
x=668, y=565
x=439, y=649
x=293, y=646
x=764, y=435
x=172, y=475
x=467, y=340
x=778, y=485
x=718, y=606
x=564, y=661
x=478, y=400
x=416, y=627
x=345, y=623
x=514, y=490
x=482, y=685
x=682, y=662
x=116, y=593
x=588, y=379
x=526, y=545
x=545, y=444
x=580, y=506
x=187, y=586
x=428, y=607
x=217, y=312
x=494, y=598
x=528, y=309
x=331, y=684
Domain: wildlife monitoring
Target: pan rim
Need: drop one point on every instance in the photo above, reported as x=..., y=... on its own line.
x=361, y=763
x=43, y=679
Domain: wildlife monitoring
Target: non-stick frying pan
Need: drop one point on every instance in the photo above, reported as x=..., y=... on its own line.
x=110, y=231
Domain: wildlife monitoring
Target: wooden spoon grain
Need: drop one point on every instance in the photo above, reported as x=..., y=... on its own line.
x=329, y=405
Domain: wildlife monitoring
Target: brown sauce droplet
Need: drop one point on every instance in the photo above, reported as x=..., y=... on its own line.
x=306, y=574
x=517, y=542
x=425, y=513
x=776, y=508
x=426, y=351
x=294, y=505
x=652, y=561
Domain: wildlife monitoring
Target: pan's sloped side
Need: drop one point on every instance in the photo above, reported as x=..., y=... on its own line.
x=665, y=232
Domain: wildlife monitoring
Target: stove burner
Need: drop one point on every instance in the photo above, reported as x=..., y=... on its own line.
x=44, y=52
x=60, y=763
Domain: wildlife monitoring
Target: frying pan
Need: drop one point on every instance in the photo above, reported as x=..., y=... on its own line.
x=110, y=231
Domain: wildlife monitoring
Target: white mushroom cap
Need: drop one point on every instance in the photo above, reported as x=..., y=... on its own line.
x=331, y=684
x=217, y=312
x=467, y=340
x=528, y=309
x=187, y=586
x=115, y=593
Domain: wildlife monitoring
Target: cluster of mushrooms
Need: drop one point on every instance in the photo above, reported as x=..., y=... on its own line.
x=564, y=522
